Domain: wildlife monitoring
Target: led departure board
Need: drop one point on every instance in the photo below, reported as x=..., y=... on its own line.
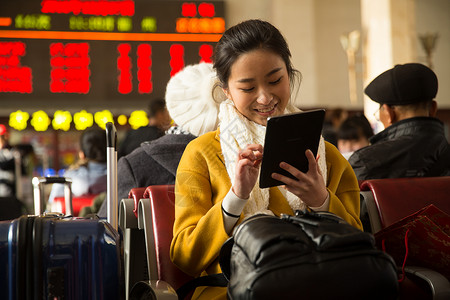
x=100, y=54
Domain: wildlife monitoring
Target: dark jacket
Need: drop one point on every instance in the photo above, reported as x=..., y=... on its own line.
x=134, y=138
x=414, y=147
x=154, y=162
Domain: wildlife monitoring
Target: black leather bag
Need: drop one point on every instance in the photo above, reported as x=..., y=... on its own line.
x=306, y=256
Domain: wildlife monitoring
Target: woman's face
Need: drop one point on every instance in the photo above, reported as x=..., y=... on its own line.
x=259, y=85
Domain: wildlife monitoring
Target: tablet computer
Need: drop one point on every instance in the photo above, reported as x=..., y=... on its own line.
x=287, y=139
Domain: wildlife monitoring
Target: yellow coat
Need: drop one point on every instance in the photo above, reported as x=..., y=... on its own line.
x=201, y=184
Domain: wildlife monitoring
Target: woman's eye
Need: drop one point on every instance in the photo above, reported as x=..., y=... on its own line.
x=276, y=81
x=247, y=90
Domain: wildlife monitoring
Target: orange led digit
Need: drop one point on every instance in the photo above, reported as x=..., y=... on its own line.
x=5, y=21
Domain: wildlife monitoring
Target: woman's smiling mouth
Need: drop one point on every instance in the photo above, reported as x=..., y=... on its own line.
x=266, y=110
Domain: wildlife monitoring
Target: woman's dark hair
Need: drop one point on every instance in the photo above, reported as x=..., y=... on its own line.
x=93, y=144
x=355, y=127
x=247, y=36
x=156, y=105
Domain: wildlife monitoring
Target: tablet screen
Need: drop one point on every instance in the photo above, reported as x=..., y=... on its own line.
x=287, y=139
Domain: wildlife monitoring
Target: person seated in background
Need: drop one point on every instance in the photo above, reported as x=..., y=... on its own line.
x=333, y=119
x=413, y=143
x=89, y=173
x=7, y=165
x=353, y=134
x=158, y=122
x=11, y=201
x=215, y=184
x=190, y=104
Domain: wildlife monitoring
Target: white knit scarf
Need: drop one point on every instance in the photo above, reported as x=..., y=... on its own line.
x=236, y=132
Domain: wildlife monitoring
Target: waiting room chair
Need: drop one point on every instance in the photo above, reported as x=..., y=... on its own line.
x=388, y=201
x=156, y=215
x=135, y=258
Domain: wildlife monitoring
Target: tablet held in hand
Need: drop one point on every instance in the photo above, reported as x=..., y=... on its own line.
x=287, y=139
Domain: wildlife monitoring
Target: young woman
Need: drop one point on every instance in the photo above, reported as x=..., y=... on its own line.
x=216, y=178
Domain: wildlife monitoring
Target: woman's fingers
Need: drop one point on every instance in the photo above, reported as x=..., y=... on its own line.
x=253, y=152
x=247, y=168
x=312, y=162
x=286, y=180
x=254, y=147
x=299, y=175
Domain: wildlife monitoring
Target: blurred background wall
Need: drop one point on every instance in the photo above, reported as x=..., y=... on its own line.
x=313, y=29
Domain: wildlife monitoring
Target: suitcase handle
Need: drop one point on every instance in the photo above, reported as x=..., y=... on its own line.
x=111, y=161
x=39, y=192
x=54, y=179
x=111, y=135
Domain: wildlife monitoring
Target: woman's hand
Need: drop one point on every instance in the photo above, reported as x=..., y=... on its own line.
x=247, y=170
x=309, y=186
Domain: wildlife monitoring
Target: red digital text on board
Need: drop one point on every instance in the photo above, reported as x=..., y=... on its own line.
x=13, y=76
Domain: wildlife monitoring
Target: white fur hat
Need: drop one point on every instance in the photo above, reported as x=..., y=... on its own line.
x=189, y=99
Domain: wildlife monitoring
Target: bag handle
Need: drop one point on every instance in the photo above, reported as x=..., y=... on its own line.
x=383, y=245
x=207, y=280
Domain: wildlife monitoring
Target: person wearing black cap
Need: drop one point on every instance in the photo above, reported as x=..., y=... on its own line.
x=413, y=143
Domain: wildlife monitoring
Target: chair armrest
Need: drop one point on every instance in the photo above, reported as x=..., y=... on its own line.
x=145, y=221
x=153, y=289
x=136, y=194
x=127, y=219
x=438, y=283
x=163, y=290
x=369, y=206
x=134, y=254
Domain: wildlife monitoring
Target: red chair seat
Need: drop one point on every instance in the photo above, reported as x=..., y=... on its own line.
x=390, y=200
x=77, y=203
x=162, y=199
x=397, y=198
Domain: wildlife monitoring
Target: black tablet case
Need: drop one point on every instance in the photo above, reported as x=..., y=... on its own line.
x=287, y=139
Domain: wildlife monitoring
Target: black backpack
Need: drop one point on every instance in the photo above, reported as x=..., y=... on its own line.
x=306, y=256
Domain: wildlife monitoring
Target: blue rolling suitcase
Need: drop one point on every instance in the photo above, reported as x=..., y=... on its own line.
x=52, y=256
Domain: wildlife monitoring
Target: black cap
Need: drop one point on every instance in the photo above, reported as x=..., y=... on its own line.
x=404, y=84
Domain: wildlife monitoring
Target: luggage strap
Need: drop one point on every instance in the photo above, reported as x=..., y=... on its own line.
x=218, y=280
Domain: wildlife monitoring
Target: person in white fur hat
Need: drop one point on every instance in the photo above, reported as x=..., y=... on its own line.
x=216, y=178
x=189, y=99
x=191, y=106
